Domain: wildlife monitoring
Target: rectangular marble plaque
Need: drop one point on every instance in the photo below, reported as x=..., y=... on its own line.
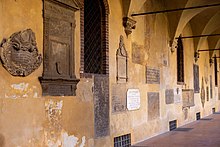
x=153, y=105
x=188, y=97
x=118, y=97
x=196, y=78
x=133, y=99
x=101, y=105
x=169, y=96
x=152, y=75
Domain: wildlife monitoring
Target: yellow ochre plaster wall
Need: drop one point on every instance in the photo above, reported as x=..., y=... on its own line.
x=28, y=119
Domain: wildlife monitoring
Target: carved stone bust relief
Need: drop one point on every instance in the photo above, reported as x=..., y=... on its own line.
x=59, y=25
x=19, y=53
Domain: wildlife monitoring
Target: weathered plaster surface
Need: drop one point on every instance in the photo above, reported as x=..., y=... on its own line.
x=27, y=119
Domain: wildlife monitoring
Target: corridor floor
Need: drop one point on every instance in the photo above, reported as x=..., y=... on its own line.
x=201, y=133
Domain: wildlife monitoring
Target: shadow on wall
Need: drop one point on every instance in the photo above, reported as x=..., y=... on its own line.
x=2, y=140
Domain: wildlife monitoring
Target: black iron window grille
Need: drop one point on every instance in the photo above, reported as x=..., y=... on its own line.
x=122, y=141
x=92, y=32
x=94, y=37
x=172, y=125
x=213, y=110
x=198, y=117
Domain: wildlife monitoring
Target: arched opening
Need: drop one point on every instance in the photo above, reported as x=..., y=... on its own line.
x=94, y=37
x=180, y=61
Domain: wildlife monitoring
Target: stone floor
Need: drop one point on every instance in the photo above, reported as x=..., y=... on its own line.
x=202, y=133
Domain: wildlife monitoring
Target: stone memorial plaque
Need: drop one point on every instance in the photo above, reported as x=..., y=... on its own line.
x=219, y=96
x=188, y=97
x=218, y=93
x=101, y=105
x=133, y=99
x=153, y=105
x=121, y=58
x=58, y=76
x=118, y=98
x=122, y=70
x=169, y=96
x=207, y=93
x=196, y=78
x=138, y=53
x=177, y=95
x=210, y=86
x=203, y=93
x=152, y=75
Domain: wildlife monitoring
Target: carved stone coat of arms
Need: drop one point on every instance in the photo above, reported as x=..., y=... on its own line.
x=19, y=53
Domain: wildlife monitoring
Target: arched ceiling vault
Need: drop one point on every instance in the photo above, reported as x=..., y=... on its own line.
x=211, y=26
x=203, y=21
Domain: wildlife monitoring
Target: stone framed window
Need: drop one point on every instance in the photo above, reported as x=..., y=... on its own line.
x=94, y=38
x=180, y=61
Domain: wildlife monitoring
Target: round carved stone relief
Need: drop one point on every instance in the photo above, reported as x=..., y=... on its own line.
x=19, y=53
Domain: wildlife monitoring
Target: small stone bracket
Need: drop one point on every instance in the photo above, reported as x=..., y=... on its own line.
x=196, y=56
x=173, y=45
x=129, y=24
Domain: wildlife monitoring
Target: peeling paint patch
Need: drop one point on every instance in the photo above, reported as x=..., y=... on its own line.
x=69, y=141
x=20, y=87
x=55, y=135
x=72, y=141
x=21, y=90
x=35, y=95
x=54, y=127
x=83, y=142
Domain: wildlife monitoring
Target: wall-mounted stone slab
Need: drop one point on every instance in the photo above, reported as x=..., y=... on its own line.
x=153, y=100
x=122, y=65
x=138, y=53
x=203, y=94
x=152, y=75
x=169, y=96
x=188, y=97
x=211, y=95
x=196, y=78
x=118, y=98
x=101, y=105
x=58, y=77
x=133, y=99
x=207, y=93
